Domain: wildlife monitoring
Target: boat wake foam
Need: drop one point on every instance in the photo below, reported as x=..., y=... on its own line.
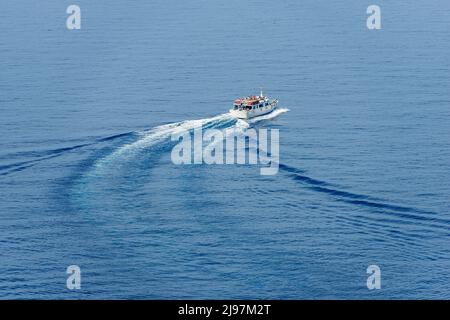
x=161, y=134
x=275, y=113
x=145, y=139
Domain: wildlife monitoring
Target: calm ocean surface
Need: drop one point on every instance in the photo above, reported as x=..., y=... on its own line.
x=85, y=171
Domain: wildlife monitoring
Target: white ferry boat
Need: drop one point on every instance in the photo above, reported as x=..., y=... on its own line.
x=253, y=106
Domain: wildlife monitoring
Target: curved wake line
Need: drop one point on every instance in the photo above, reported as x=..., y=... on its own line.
x=44, y=155
x=364, y=200
x=52, y=153
x=160, y=137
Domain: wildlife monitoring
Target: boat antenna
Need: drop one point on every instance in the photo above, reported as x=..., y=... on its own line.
x=261, y=93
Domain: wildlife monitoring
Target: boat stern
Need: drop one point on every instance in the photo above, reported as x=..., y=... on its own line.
x=240, y=114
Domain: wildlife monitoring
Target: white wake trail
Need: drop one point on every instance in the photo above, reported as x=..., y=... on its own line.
x=155, y=136
x=241, y=126
x=275, y=113
x=161, y=133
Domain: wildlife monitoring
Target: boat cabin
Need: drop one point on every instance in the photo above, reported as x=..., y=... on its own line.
x=250, y=103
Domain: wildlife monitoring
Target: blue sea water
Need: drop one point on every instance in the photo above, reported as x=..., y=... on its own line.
x=85, y=171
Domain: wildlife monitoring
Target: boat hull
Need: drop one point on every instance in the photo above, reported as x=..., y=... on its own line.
x=244, y=114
